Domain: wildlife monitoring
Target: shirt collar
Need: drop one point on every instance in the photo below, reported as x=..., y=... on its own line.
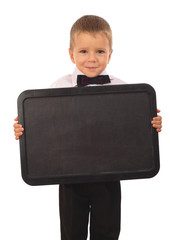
x=77, y=72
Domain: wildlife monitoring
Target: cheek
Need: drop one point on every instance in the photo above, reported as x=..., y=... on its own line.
x=104, y=61
x=79, y=61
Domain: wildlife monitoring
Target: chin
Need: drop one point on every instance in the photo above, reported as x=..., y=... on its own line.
x=91, y=74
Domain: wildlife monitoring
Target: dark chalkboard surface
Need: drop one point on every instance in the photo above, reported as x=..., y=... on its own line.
x=99, y=133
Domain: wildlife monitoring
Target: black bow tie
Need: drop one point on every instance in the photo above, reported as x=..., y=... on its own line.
x=82, y=80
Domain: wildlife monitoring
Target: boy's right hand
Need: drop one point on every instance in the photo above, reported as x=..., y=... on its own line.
x=18, y=129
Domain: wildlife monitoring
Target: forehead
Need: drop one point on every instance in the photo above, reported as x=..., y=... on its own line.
x=85, y=39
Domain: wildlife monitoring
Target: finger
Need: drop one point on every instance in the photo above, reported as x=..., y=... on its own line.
x=156, y=123
x=18, y=134
x=17, y=137
x=16, y=119
x=157, y=119
x=158, y=111
x=18, y=130
x=157, y=126
x=17, y=125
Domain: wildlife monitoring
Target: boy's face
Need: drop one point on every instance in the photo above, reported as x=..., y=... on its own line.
x=90, y=53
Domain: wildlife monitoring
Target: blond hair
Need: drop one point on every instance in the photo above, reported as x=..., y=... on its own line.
x=91, y=24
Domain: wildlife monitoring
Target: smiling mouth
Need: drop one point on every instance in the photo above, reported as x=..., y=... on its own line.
x=91, y=68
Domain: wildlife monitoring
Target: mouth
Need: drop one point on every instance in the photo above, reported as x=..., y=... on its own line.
x=91, y=68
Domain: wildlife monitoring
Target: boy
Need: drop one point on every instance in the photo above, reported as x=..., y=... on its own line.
x=90, y=50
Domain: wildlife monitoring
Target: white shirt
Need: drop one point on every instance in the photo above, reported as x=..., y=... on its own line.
x=70, y=80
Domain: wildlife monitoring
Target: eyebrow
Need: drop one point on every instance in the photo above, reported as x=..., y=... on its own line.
x=97, y=48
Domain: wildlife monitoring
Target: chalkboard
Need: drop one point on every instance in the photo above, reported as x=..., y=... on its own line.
x=90, y=134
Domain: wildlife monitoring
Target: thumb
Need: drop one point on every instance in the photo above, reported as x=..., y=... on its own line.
x=16, y=119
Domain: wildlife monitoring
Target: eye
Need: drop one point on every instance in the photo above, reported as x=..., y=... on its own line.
x=83, y=51
x=100, y=51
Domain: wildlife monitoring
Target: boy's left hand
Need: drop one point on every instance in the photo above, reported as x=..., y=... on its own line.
x=157, y=122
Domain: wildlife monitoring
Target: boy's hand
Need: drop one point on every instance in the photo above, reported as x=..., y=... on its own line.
x=18, y=129
x=157, y=122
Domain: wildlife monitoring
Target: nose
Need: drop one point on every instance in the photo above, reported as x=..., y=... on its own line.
x=91, y=57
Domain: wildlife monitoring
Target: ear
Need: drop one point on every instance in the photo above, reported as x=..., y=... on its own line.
x=71, y=56
x=110, y=54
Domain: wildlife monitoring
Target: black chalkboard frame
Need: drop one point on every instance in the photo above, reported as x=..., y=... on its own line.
x=140, y=96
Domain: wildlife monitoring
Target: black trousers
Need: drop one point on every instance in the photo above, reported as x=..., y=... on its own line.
x=98, y=203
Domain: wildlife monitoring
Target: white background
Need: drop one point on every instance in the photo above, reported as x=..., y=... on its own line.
x=34, y=41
